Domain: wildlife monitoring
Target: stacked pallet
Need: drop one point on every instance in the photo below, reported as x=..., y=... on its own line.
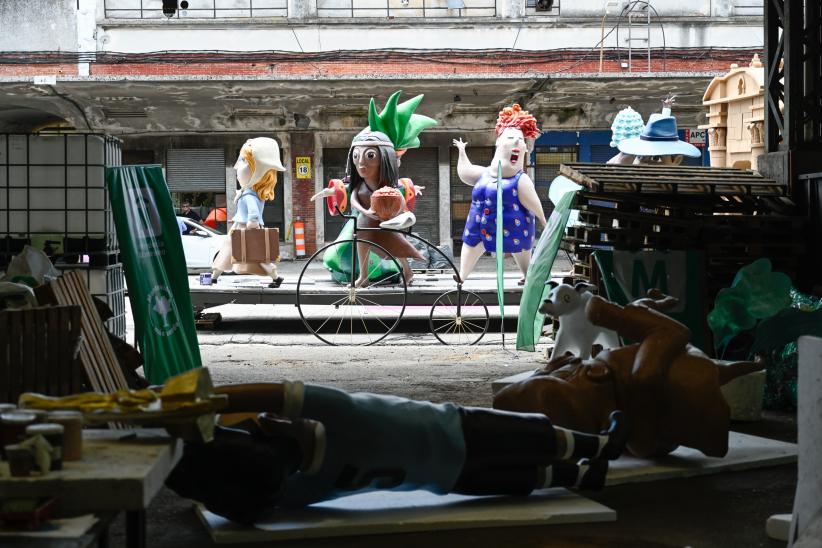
x=100, y=366
x=727, y=214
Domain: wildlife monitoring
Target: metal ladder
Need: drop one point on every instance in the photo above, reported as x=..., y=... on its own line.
x=639, y=30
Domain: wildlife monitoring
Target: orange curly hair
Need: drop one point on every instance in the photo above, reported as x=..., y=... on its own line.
x=523, y=120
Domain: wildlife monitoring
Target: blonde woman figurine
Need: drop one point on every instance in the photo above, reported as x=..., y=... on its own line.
x=257, y=168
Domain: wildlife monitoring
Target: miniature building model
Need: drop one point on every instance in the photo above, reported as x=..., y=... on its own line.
x=737, y=116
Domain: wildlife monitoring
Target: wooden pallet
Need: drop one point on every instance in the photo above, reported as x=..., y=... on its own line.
x=671, y=180
x=37, y=352
x=209, y=320
x=100, y=364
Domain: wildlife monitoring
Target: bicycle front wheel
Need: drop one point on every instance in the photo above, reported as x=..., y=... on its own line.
x=459, y=317
x=338, y=312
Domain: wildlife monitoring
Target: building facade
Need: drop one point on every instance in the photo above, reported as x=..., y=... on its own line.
x=184, y=84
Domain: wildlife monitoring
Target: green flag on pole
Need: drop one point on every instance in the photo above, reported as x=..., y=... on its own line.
x=155, y=269
x=500, y=255
x=529, y=323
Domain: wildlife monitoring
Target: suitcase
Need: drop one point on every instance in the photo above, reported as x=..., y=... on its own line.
x=255, y=245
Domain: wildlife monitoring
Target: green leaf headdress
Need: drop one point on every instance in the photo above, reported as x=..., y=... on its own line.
x=399, y=122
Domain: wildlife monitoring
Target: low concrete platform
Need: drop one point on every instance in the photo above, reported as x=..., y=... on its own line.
x=404, y=512
x=424, y=289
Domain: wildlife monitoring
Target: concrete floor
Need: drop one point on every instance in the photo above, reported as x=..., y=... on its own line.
x=726, y=510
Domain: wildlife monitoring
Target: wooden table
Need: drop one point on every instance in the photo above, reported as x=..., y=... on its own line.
x=121, y=470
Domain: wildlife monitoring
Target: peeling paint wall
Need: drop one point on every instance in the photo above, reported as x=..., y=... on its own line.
x=38, y=25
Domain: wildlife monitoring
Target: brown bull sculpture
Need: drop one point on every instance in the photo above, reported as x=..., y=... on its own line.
x=669, y=390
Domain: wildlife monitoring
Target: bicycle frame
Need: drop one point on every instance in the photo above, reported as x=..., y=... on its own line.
x=406, y=232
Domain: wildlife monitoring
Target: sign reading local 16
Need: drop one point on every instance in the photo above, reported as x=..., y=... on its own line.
x=303, y=167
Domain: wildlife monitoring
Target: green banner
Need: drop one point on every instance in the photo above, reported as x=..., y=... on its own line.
x=500, y=255
x=155, y=269
x=529, y=323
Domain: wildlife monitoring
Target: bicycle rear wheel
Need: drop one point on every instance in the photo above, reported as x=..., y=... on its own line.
x=459, y=317
x=338, y=313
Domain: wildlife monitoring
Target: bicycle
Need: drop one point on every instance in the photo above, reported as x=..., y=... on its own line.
x=362, y=316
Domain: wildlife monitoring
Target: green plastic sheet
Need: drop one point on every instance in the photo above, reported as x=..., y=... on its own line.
x=529, y=323
x=155, y=270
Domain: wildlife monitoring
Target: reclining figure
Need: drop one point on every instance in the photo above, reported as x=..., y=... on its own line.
x=668, y=389
x=313, y=443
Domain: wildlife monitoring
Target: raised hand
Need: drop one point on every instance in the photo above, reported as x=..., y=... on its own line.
x=324, y=193
x=460, y=144
x=418, y=190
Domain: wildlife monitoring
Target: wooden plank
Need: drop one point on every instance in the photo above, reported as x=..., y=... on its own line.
x=15, y=370
x=27, y=349
x=696, y=171
x=95, y=352
x=109, y=359
x=5, y=373
x=41, y=346
x=76, y=379
x=86, y=357
x=56, y=350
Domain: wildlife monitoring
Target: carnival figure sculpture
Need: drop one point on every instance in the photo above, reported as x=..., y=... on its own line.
x=668, y=389
x=314, y=443
x=521, y=204
x=257, y=168
x=372, y=164
x=658, y=143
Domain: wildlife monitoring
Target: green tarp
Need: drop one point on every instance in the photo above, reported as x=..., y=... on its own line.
x=155, y=268
x=529, y=323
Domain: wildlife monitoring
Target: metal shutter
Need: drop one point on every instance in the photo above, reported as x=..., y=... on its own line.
x=196, y=169
x=421, y=166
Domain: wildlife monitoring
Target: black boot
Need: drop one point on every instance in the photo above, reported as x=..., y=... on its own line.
x=617, y=433
x=594, y=477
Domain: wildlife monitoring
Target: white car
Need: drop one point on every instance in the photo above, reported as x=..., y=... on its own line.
x=200, y=244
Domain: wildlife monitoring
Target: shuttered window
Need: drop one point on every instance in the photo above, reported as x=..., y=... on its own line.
x=196, y=169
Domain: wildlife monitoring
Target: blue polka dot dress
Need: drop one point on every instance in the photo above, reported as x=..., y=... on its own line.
x=518, y=224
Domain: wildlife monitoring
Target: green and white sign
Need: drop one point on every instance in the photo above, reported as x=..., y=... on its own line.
x=155, y=269
x=627, y=276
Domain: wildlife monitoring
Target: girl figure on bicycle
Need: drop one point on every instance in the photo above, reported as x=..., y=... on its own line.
x=373, y=163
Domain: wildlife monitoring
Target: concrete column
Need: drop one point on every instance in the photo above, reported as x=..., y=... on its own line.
x=319, y=184
x=287, y=190
x=86, y=31
x=302, y=144
x=302, y=9
x=444, y=156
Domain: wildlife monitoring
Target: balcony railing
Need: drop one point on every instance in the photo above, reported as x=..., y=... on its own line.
x=406, y=8
x=196, y=9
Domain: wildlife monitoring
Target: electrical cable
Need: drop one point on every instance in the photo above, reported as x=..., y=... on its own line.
x=498, y=57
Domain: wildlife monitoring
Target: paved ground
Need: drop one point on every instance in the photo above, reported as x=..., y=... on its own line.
x=727, y=510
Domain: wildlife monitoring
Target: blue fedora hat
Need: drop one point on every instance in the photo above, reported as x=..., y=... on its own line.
x=659, y=138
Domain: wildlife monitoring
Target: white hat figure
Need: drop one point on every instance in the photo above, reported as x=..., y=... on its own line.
x=266, y=153
x=659, y=138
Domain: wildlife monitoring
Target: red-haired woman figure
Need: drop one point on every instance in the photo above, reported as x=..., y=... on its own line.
x=521, y=205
